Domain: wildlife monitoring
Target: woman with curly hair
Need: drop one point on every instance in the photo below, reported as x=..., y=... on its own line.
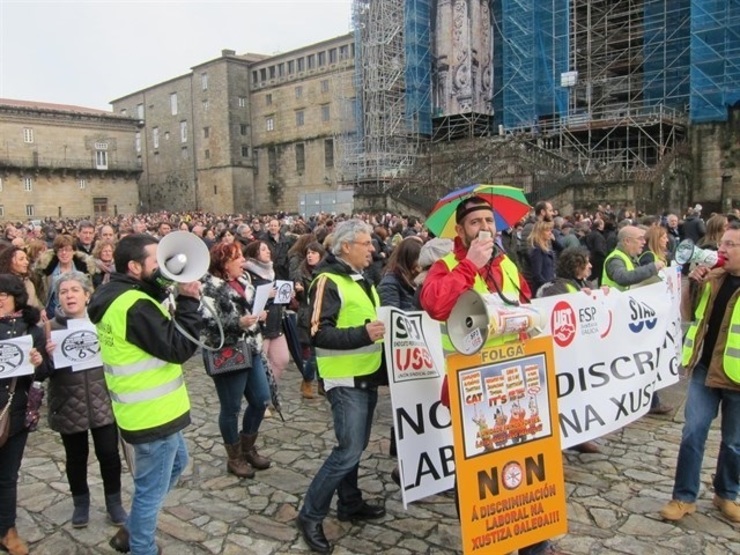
x=229, y=291
x=14, y=260
x=103, y=256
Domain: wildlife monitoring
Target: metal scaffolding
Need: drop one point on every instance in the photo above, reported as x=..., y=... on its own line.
x=392, y=84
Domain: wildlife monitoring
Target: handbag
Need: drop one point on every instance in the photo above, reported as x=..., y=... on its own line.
x=228, y=359
x=5, y=414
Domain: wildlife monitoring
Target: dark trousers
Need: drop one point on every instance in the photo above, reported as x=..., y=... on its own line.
x=77, y=448
x=10, y=462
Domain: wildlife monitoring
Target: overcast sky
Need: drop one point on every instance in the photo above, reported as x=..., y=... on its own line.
x=88, y=53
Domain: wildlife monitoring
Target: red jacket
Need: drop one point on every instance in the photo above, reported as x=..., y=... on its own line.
x=442, y=288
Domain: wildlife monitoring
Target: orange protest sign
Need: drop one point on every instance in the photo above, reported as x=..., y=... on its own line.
x=507, y=446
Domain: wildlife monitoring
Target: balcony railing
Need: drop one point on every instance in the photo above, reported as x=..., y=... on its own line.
x=48, y=163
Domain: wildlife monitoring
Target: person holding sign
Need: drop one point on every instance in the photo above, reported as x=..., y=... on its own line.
x=346, y=334
x=475, y=263
x=17, y=319
x=710, y=354
x=79, y=402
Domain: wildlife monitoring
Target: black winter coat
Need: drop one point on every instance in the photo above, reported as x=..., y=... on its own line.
x=15, y=327
x=78, y=401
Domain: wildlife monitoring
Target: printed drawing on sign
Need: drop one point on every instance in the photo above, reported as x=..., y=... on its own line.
x=504, y=404
x=412, y=358
x=81, y=345
x=11, y=356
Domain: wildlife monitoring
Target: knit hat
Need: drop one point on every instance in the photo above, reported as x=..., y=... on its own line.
x=431, y=251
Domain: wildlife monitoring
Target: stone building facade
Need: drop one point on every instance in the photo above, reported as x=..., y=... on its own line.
x=65, y=161
x=243, y=133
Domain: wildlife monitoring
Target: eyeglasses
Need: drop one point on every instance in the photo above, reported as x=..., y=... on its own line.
x=729, y=244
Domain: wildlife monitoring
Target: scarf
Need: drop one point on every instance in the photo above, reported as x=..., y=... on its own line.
x=261, y=269
x=106, y=268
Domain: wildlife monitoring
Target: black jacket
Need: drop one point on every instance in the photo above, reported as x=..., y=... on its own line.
x=325, y=333
x=15, y=327
x=78, y=401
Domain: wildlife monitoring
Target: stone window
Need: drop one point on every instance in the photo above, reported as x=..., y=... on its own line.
x=82, y=183
x=291, y=67
x=183, y=131
x=137, y=141
x=166, y=135
x=204, y=81
x=322, y=58
x=242, y=102
x=263, y=74
x=272, y=72
x=205, y=105
x=28, y=184
x=124, y=112
x=325, y=113
x=30, y=210
x=324, y=85
x=270, y=123
x=173, y=104
x=329, y=153
x=155, y=137
x=101, y=159
x=206, y=132
x=343, y=52
x=300, y=157
x=245, y=151
x=281, y=70
x=243, y=128
x=311, y=61
x=140, y=111
x=333, y=56
x=27, y=135
x=299, y=118
x=301, y=64
x=255, y=77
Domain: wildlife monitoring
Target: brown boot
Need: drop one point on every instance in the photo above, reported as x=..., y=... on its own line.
x=235, y=464
x=250, y=454
x=307, y=389
x=13, y=544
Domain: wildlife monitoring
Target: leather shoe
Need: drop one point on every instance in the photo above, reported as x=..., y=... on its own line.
x=587, y=447
x=120, y=542
x=313, y=535
x=660, y=409
x=363, y=512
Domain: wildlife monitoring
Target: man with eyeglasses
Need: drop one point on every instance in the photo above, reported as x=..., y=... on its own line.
x=711, y=353
x=346, y=334
x=621, y=269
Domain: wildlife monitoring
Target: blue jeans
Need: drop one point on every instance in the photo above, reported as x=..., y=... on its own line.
x=702, y=406
x=158, y=465
x=250, y=384
x=309, y=366
x=352, y=410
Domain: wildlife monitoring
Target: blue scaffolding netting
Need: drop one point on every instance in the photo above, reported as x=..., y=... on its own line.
x=417, y=38
x=715, y=58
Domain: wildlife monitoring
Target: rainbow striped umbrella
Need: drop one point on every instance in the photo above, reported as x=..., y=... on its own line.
x=509, y=206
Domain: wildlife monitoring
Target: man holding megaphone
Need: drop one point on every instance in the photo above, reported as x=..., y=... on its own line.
x=143, y=351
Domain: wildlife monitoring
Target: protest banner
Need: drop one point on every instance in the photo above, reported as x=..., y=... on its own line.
x=503, y=402
x=611, y=352
x=77, y=346
x=416, y=371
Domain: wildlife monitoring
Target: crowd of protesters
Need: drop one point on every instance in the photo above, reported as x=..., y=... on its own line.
x=42, y=256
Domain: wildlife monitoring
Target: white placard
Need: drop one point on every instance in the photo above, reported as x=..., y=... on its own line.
x=284, y=291
x=15, y=357
x=261, y=295
x=77, y=346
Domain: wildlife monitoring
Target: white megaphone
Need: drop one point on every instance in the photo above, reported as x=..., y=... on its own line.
x=182, y=257
x=477, y=318
x=687, y=252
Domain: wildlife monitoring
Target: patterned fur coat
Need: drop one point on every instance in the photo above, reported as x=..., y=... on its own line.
x=229, y=306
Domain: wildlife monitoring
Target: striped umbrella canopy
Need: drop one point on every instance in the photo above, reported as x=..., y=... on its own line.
x=509, y=206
